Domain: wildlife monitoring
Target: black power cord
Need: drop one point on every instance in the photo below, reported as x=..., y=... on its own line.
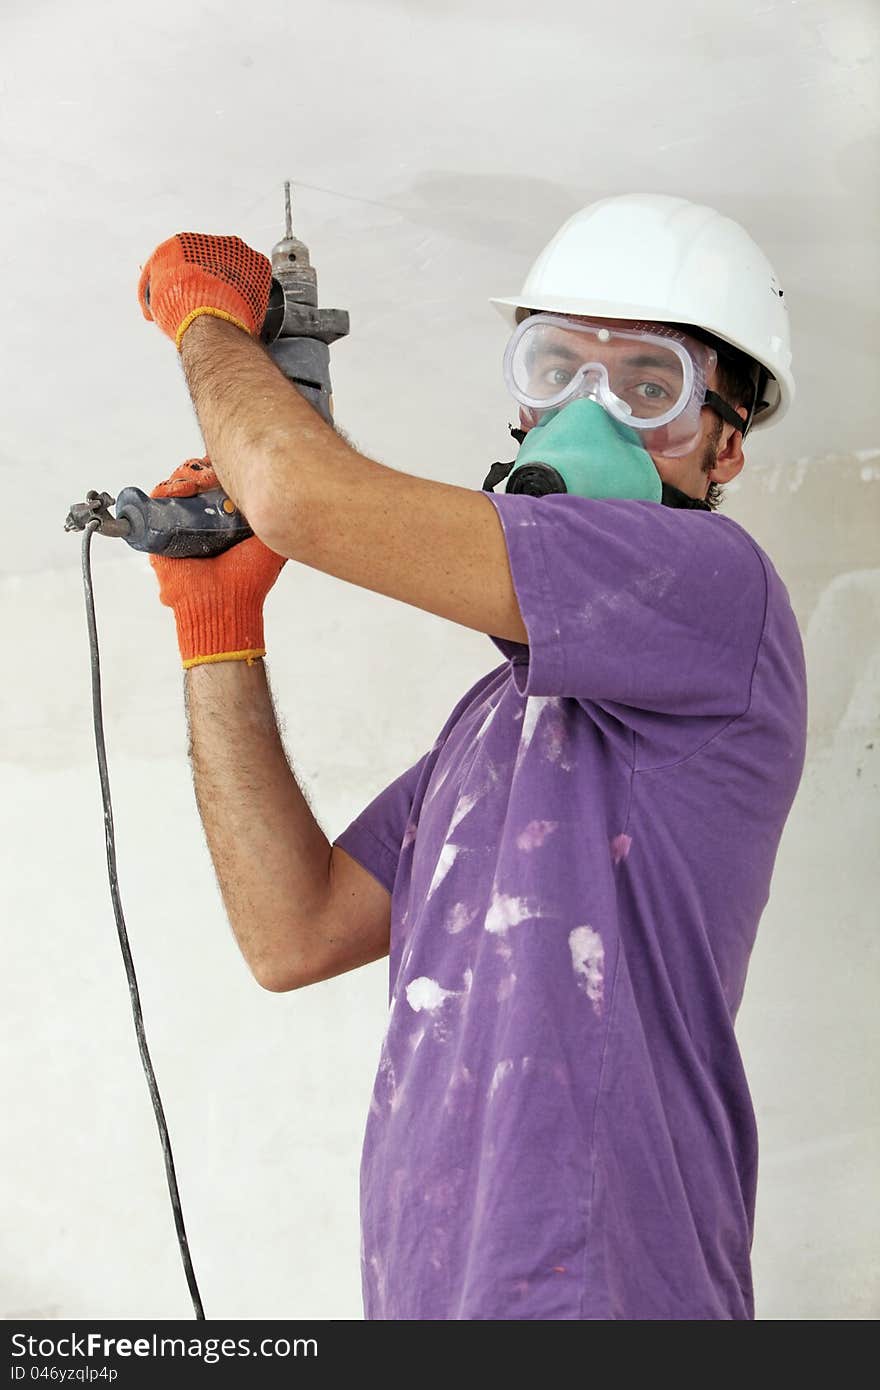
x=122, y=932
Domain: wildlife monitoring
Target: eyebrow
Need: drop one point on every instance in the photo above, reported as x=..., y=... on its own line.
x=565, y=353
x=644, y=359
x=648, y=360
x=555, y=350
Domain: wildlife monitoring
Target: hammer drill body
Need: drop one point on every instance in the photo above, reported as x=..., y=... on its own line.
x=297, y=335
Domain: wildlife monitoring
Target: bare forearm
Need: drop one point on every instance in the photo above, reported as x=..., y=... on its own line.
x=252, y=418
x=312, y=497
x=271, y=857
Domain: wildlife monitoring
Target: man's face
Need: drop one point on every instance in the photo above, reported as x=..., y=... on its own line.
x=716, y=458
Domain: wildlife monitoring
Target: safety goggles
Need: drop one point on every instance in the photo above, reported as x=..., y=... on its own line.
x=649, y=376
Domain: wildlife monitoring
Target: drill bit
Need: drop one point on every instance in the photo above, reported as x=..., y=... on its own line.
x=291, y=265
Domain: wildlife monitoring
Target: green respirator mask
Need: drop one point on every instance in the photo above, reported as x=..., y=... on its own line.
x=581, y=450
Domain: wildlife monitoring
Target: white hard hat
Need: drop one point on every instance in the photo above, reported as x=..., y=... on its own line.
x=646, y=256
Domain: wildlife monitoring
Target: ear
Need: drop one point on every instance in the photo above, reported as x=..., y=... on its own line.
x=729, y=459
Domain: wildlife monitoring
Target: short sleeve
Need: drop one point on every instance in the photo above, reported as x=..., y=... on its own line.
x=633, y=603
x=376, y=836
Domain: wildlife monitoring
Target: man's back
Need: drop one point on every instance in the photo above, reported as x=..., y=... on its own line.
x=560, y=1126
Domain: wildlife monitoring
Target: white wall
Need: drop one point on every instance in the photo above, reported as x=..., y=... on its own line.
x=436, y=148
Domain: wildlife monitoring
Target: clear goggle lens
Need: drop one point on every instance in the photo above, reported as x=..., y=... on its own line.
x=648, y=376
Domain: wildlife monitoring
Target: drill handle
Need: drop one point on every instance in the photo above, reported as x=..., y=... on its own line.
x=182, y=527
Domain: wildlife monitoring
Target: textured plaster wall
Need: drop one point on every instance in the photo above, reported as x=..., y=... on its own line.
x=436, y=148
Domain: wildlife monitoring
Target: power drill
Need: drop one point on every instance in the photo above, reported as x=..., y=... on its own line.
x=297, y=335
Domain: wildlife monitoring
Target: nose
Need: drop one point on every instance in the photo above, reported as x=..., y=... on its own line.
x=588, y=380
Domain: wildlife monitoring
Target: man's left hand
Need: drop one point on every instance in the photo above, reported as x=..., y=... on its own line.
x=193, y=274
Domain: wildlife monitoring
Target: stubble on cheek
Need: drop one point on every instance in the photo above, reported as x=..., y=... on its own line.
x=710, y=452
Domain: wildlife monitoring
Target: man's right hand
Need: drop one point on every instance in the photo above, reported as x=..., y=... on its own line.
x=218, y=602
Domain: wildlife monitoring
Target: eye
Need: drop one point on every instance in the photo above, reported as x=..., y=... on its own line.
x=553, y=376
x=653, y=390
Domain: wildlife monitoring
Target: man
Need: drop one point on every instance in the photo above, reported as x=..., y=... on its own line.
x=570, y=880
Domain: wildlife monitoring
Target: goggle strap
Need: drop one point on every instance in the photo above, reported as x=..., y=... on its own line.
x=726, y=411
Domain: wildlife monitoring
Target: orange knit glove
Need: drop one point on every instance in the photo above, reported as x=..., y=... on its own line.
x=192, y=274
x=218, y=602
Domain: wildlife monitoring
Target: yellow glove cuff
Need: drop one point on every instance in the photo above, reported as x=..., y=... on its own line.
x=215, y=313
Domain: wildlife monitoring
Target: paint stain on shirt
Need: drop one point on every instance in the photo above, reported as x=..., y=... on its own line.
x=503, y=1069
x=505, y=911
x=535, y=833
x=620, y=846
x=426, y=994
x=588, y=961
x=460, y=917
x=444, y=863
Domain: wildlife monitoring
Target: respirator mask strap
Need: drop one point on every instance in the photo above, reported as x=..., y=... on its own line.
x=499, y=471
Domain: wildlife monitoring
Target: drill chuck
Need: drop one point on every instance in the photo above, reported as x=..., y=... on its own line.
x=293, y=270
x=296, y=332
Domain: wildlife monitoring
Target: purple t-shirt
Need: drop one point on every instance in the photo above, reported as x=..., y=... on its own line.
x=560, y=1125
